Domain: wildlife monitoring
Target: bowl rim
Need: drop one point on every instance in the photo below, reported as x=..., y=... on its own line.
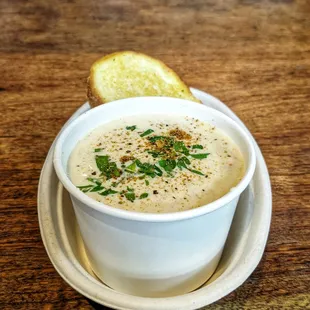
x=152, y=217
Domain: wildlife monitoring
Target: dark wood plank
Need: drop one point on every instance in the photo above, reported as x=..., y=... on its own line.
x=254, y=55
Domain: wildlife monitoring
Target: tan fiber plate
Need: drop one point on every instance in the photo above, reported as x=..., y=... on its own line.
x=243, y=250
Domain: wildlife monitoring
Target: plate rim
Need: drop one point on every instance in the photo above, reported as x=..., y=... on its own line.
x=186, y=301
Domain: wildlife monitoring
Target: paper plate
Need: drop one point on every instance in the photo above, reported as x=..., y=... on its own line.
x=243, y=250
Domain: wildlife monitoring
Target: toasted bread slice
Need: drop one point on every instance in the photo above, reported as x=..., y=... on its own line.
x=130, y=74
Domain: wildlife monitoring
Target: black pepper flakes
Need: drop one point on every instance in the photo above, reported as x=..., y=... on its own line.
x=155, y=192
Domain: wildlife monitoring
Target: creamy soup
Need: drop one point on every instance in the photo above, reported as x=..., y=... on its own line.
x=156, y=164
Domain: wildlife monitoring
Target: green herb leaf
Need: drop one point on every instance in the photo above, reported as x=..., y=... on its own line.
x=130, y=196
x=139, y=163
x=97, y=188
x=130, y=189
x=144, y=195
x=195, y=171
x=197, y=146
x=96, y=181
x=147, y=183
x=186, y=160
x=200, y=156
x=158, y=171
x=154, y=153
x=168, y=141
x=147, y=132
x=85, y=190
x=183, y=162
x=102, y=162
x=107, y=168
x=132, y=128
x=131, y=168
x=85, y=186
x=108, y=192
x=167, y=164
x=180, y=147
x=148, y=169
x=98, y=150
x=114, y=184
x=155, y=138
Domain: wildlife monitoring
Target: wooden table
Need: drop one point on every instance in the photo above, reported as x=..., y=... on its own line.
x=253, y=55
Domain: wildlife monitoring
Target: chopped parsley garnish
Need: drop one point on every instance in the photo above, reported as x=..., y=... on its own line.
x=107, y=168
x=195, y=171
x=91, y=187
x=148, y=169
x=144, y=195
x=96, y=181
x=97, y=188
x=169, y=152
x=155, y=154
x=131, y=196
x=180, y=147
x=197, y=146
x=108, y=192
x=167, y=164
x=85, y=188
x=147, y=132
x=131, y=128
x=131, y=168
x=167, y=142
x=183, y=162
x=156, y=138
x=158, y=171
x=200, y=156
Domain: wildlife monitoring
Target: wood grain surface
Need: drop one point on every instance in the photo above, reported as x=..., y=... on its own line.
x=254, y=55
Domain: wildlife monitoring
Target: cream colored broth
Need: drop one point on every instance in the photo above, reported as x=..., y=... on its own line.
x=175, y=190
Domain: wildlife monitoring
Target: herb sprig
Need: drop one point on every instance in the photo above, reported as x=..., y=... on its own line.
x=131, y=128
x=107, y=167
x=147, y=132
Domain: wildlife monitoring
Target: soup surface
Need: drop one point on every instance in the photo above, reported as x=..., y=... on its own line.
x=156, y=164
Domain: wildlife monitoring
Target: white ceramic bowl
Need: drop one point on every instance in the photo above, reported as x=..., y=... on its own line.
x=153, y=255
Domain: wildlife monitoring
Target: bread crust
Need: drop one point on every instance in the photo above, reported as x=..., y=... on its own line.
x=95, y=98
